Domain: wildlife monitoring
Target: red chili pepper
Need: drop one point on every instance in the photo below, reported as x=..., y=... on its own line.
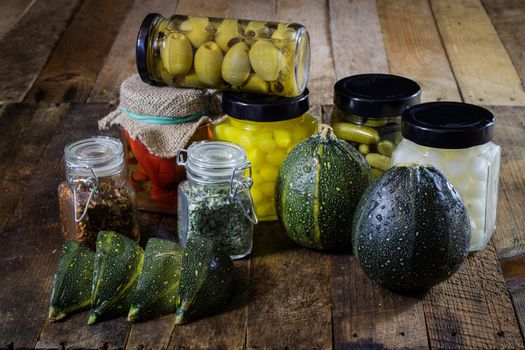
x=163, y=173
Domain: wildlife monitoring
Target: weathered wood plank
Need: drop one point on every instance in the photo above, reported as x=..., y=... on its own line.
x=508, y=17
x=12, y=11
x=74, y=64
x=414, y=48
x=27, y=46
x=216, y=8
x=289, y=293
x=514, y=272
x=356, y=38
x=120, y=61
x=368, y=316
x=473, y=309
x=260, y=10
x=314, y=15
x=24, y=135
x=509, y=237
x=32, y=238
x=482, y=67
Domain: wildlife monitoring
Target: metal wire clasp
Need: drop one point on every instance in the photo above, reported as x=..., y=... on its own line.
x=90, y=182
x=244, y=184
x=180, y=159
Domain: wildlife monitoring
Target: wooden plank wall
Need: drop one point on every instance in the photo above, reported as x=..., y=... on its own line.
x=80, y=52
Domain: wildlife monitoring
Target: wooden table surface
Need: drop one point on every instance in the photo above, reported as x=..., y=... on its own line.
x=61, y=63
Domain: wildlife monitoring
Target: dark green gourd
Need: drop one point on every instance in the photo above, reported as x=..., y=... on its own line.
x=411, y=230
x=72, y=282
x=319, y=186
x=156, y=291
x=206, y=280
x=118, y=262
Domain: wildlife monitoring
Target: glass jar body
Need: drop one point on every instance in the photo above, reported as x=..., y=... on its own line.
x=267, y=144
x=228, y=54
x=208, y=210
x=473, y=171
x=155, y=179
x=111, y=207
x=376, y=138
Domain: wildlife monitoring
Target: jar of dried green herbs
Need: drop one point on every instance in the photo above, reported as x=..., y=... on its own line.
x=96, y=195
x=215, y=200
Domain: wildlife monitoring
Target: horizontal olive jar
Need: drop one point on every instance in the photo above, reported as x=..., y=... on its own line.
x=229, y=54
x=267, y=127
x=367, y=113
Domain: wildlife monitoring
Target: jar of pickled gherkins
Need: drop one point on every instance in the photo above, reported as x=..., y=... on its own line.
x=96, y=195
x=456, y=138
x=228, y=54
x=267, y=127
x=367, y=113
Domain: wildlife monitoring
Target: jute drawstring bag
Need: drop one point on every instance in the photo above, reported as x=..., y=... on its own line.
x=162, y=118
x=156, y=122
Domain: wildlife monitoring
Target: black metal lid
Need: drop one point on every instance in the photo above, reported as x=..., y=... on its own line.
x=376, y=95
x=142, y=47
x=447, y=125
x=264, y=108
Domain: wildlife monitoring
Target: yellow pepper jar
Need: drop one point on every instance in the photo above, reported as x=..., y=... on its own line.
x=267, y=127
x=367, y=113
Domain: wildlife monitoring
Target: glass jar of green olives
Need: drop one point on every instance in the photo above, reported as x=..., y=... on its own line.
x=367, y=113
x=229, y=54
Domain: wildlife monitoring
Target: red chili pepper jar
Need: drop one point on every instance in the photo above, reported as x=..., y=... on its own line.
x=156, y=122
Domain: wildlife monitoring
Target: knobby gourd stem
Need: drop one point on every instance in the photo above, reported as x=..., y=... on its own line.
x=324, y=130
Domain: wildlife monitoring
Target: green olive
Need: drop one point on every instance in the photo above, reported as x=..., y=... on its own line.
x=256, y=84
x=208, y=62
x=284, y=36
x=236, y=64
x=226, y=31
x=264, y=58
x=189, y=80
x=256, y=30
x=176, y=54
x=196, y=29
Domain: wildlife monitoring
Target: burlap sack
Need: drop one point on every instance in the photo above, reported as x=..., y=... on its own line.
x=148, y=113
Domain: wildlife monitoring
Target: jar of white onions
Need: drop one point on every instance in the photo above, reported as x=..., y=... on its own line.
x=456, y=138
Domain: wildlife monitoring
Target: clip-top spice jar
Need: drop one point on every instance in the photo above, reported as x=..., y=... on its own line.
x=456, y=138
x=96, y=195
x=215, y=200
x=367, y=113
x=229, y=54
x=267, y=127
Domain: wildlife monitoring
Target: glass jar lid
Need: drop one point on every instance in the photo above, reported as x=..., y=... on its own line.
x=213, y=161
x=448, y=125
x=104, y=155
x=376, y=95
x=264, y=108
x=141, y=48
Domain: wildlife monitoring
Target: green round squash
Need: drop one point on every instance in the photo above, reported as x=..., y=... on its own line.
x=318, y=188
x=411, y=230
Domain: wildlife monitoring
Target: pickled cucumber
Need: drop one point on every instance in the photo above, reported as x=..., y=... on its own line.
x=264, y=58
x=236, y=64
x=378, y=161
x=356, y=133
x=364, y=149
x=176, y=54
x=208, y=62
x=196, y=29
x=227, y=30
x=385, y=147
